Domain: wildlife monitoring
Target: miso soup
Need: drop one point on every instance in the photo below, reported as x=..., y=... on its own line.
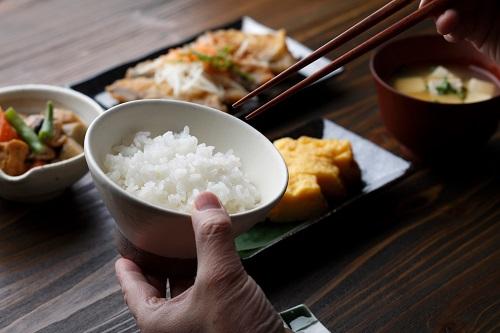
x=453, y=84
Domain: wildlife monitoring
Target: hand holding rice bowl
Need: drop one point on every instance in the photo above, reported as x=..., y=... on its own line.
x=165, y=231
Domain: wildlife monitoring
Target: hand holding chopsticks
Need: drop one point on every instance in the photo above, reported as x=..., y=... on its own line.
x=368, y=45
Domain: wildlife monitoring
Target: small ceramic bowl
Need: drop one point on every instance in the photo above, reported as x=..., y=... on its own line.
x=432, y=129
x=165, y=232
x=43, y=183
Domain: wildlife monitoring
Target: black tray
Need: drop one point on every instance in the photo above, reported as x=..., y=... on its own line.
x=379, y=167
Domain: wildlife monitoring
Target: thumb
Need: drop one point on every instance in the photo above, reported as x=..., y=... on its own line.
x=215, y=247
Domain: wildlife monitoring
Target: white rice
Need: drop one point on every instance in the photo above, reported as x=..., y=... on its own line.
x=170, y=170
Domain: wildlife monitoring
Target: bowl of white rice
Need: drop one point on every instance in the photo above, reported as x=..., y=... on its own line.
x=151, y=158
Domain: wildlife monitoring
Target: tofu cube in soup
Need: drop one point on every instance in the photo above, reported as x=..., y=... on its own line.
x=444, y=86
x=480, y=86
x=479, y=90
x=474, y=97
x=441, y=72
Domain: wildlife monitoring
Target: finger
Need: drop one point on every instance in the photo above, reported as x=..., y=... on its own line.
x=448, y=22
x=214, y=237
x=452, y=38
x=140, y=296
x=179, y=285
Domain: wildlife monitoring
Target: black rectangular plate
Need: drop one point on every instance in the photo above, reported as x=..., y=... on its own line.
x=379, y=168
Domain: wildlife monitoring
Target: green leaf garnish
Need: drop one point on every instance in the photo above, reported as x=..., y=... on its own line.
x=446, y=88
x=223, y=62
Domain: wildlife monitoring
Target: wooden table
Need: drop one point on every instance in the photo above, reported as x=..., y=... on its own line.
x=422, y=256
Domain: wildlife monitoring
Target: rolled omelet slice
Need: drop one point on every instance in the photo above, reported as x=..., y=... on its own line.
x=303, y=200
x=319, y=170
x=326, y=173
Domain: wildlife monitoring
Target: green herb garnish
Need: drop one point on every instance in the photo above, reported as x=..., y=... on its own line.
x=244, y=75
x=445, y=88
x=223, y=62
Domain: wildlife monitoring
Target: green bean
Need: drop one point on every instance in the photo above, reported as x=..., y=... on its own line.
x=47, y=130
x=24, y=131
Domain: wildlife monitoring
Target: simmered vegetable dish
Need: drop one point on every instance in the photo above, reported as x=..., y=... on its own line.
x=29, y=141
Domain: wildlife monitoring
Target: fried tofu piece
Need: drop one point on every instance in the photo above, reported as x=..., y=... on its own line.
x=302, y=200
x=13, y=156
x=327, y=166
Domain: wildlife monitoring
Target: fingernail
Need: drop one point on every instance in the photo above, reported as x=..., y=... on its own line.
x=206, y=201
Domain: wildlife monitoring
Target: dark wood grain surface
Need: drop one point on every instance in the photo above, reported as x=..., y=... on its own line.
x=422, y=256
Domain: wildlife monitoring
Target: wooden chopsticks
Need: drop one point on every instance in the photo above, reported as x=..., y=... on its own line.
x=368, y=45
x=363, y=25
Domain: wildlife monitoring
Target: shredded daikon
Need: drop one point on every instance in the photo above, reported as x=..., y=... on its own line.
x=242, y=49
x=187, y=79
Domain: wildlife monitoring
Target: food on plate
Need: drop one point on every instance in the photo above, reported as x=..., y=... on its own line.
x=320, y=171
x=216, y=70
x=171, y=169
x=29, y=141
x=451, y=84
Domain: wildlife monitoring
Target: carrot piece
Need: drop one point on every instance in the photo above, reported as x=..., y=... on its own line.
x=7, y=132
